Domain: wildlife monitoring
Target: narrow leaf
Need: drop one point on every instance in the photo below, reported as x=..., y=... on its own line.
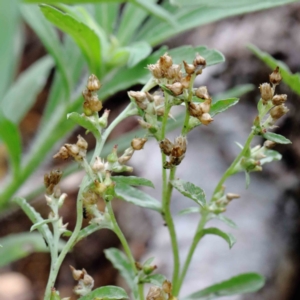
x=229, y=238
x=241, y=284
x=226, y=220
x=10, y=135
x=22, y=94
x=106, y=15
x=133, y=180
x=122, y=264
x=137, y=52
x=222, y=105
x=271, y=155
x=277, y=138
x=108, y=292
x=189, y=210
x=156, y=279
x=190, y=190
x=132, y=195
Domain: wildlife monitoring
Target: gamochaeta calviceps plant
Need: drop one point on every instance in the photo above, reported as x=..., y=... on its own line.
x=171, y=84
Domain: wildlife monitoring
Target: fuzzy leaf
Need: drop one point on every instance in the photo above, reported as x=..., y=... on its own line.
x=226, y=220
x=229, y=238
x=122, y=264
x=277, y=138
x=133, y=180
x=137, y=197
x=190, y=190
x=85, y=122
x=189, y=210
x=271, y=155
x=222, y=105
x=137, y=52
x=241, y=284
x=156, y=279
x=108, y=292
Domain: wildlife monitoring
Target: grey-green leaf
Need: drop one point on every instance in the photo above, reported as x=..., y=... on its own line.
x=133, y=180
x=228, y=237
x=189, y=210
x=271, y=155
x=277, y=138
x=137, y=52
x=241, y=284
x=132, y=195
x=222, y=105
x=108, y=292
x=226, y=220
x=9, y=133
x=190, y=190
x=122, y=264
x=17, y=246
x=156, y=279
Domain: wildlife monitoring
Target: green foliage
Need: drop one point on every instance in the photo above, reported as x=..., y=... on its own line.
x=277, y=138
x=241, y=284
x=229, y=238
x=133, y=180
x=106, y=293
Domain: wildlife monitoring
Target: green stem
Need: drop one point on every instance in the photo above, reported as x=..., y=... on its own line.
x=197, y=237
x=228, y=172
x=141, y=291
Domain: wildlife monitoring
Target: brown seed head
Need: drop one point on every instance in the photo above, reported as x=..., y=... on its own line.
x=275, y=76
x=166, y=146
x=82, y=143
x=93, y=83
x=269, y=144
x=167, y=287
x=63, y=153
x=181, y=142
x=98, y=165
x=205, y=119
x=165, y=62
x=156, y=71
x=138, y=143
x=176, y=88
x=231, y=196
x=155, y=293
x=144, y=124
x=202, y=93
x=77, y=274
x=279, y=99
x=195, y=109
x=266, y=92
x=185, y=81
x=205, y=106
x=174, y=73
x=278, y=111
x=189, y=68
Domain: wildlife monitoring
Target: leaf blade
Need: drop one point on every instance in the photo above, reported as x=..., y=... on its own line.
x=108, y=292
x=277, y=138
x=228, y=237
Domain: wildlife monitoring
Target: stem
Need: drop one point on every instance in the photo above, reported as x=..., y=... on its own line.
x=228, y=172
x=141, y=291
x=197, y=237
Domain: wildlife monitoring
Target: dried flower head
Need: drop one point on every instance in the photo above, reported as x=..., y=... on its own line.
x=165, y=62
x=279, y=99
x=93, y=83
x=195, y=109
x=189, y=68
x=166, y=146
x=275, y=77
x=205, y=119
x=278, y=111
x=176, y=88
x=266, y=92
x=138, y=143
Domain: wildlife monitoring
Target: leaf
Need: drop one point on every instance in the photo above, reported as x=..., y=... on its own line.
x=190, y=190
x=271, y=155
x=228, y=237
x=222, y=105
x=226, y=220
x=106, y=15
x=137, y=52
x=85, y=122
x=9, y=133
x=189, y=210
x=39, y=224
x=9, y=21
x=22, y=94
x=148, y=261
x=156, y=279
x=86, y=38
x=235, y=92
x=49, y=38
x=122, y=264
x=292, y=80
x=157, y=11
x=71, y=1
x=132, y=195
x=133, y=180
x=241, y=284
x=277, y=138
x=106, y=292
x=17, y=246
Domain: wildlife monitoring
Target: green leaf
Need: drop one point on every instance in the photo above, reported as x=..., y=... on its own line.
x=222, y=105
x=50, y=39
x=292, y=80
x=228, y=237
x=17, y=246
x=277, y=138
x=132, y=195
x=157, y=11
x=54, y=295
x=133, y=180
x=241, y=284
x=156, y=279
x=189, y=210
x=226, y=220
x=22, y=94
x=235, y=92
x=10, y=135
x=86, y=38
x=106, y=15
x=9, y=21
x=72, y=1
x=271, y=155
x=190, y=190
x=122, y=264
x=108, y=292
x=148, y=262
x=89, y=123
x=137, y=52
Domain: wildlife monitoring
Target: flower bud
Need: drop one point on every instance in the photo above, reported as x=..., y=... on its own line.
x=104, y=119
x=99, y=188
x=98, y=166
x=174, y=73
x=113, y=156
x=166, y=146
x=266, y=92
x=269, y=144
x=77, y=274
x=279, y=99
x=202, y=93
x=231, y=196
x=205, y=106
x=137, y=96
x=205, y=119
x=86, y=109
x=176, y=88
x=165, y=62
x=144, y=124
x=185, y=81
x=199, y=63
x=149, y=269
x=93, y=83
x=278, y=111
x=181, y=143
x=189, y=68
x=63, y=153
x=176, y=160
x=167, y=287
x=82, y=143
x=275, y=76
x=138, y=143
x=156, y=71
x=195, y=109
